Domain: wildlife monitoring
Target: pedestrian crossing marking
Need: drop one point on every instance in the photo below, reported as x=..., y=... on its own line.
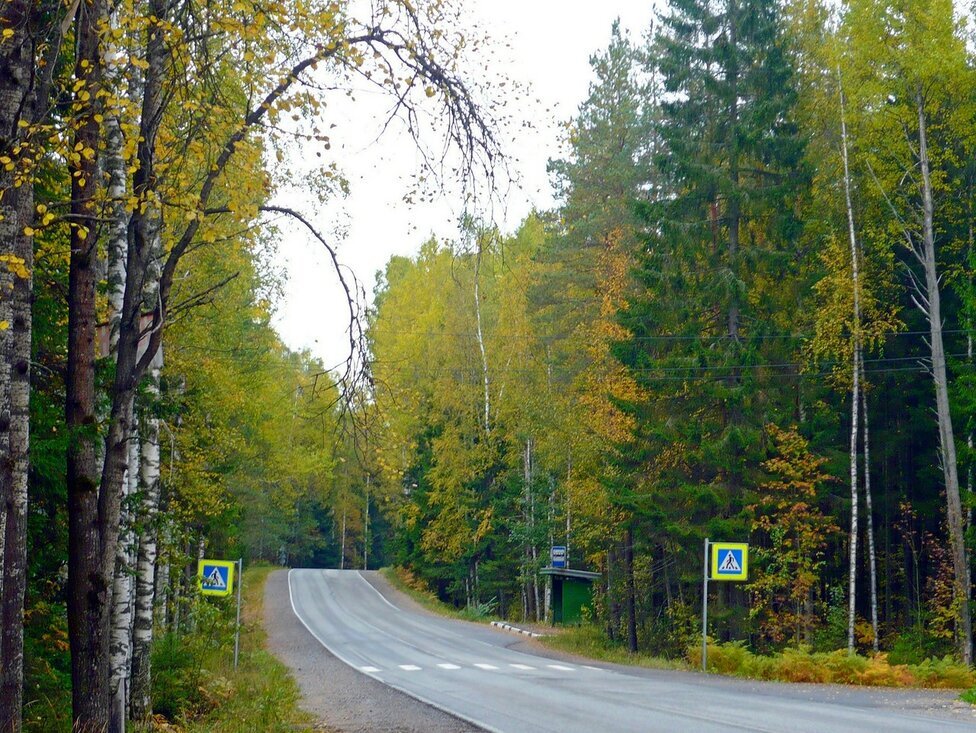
x=729, y=564
x=216, y=580
x=479, y=665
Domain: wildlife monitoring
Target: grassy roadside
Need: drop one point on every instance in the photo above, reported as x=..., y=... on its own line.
x=590, y=642
x=199, y=690
x=409, y=584
x=790, y=665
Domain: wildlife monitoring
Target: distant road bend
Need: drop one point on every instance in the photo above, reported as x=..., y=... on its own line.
x=476, y=674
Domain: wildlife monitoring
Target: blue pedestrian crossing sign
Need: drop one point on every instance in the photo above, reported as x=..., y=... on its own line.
x=730, y=561
x=216, y=577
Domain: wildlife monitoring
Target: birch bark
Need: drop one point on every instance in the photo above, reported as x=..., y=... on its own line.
x=869, y=512
x=481, y=337
x=116, y=245
x=141, y=704
x=855, y=374
x=17, y=102
x=947, y=442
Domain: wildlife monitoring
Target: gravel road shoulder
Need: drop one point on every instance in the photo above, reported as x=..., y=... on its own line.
x=342, y=698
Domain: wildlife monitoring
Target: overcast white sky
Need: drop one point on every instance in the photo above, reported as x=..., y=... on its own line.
x=545, y=44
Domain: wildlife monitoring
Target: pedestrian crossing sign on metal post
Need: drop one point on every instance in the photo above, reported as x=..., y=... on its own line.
x=722, y=561
x=730, y=560
x=216, y=577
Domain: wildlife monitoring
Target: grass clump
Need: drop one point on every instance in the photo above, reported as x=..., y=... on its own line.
x=589, y=641
x=407, y=582
x=804, y=665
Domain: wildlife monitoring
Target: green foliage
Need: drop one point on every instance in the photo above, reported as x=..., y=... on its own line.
x=801, y=664
x=591, y=641
x=196, y=687
x=793, y=533
x=917, y=643
x=47, y=672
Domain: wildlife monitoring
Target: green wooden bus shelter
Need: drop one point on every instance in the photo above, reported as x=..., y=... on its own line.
x=572, y=590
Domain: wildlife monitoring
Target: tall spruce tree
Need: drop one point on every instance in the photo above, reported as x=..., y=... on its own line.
x=715, y=271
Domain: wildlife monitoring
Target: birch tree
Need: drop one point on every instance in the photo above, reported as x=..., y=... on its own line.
x=20, y=23
x=906, y=62
x=396, y=39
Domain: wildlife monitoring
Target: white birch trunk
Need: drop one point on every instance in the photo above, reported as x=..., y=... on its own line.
x=366, y=528
x=342, y=547
x=162, y=595
x=869, y=509
x=947, y=442
x=855, y=374
x=122, y=587
x=141, y=706
x=117, y=248
x=481, y=338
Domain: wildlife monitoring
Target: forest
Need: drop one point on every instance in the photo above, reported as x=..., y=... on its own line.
x=749, y=318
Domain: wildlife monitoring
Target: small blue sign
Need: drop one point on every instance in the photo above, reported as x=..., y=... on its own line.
x=558, y=556
x=730, y=562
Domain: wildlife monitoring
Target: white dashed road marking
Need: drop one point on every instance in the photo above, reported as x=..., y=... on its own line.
x=481, y=665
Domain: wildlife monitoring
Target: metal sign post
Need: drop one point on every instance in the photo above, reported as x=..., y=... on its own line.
x=237, y=631
x=723, y=561
x=705, y=609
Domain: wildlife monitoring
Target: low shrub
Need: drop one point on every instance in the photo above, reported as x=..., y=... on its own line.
x=801, y=664
x=945, y=673
x=177, y=678
x=916, y=644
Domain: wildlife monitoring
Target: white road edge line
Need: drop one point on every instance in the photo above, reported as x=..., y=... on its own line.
x=561, y=667
x=385, y=599
x=467, y=718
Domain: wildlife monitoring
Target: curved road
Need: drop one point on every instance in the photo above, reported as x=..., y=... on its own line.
x=474, y=673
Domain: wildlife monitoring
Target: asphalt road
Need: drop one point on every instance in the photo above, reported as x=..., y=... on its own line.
x=472, y=672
